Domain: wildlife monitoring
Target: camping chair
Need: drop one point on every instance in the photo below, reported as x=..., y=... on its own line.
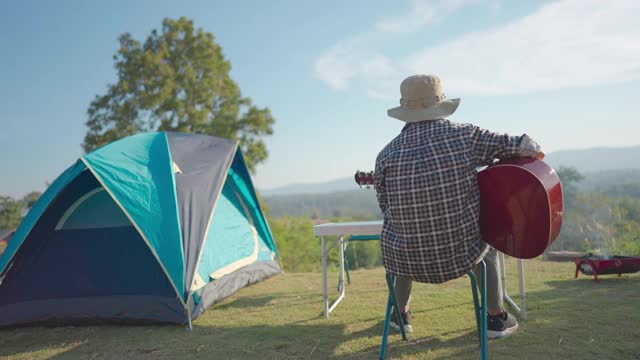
x=479, y=306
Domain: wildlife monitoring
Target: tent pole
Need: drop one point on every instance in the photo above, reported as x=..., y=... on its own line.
x=188, y=308
x=189, y=324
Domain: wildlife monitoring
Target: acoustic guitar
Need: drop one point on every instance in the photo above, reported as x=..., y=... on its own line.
x=520, y=205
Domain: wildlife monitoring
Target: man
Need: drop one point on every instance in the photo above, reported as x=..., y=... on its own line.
x=427, y=189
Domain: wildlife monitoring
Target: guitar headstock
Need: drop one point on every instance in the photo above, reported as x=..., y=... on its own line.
x=364, y=179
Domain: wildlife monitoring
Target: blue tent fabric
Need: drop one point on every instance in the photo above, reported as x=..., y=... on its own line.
x=241, y=177
x=137, y=172
x=94, y=210
x=86, y=279
x=231, y=221
x=36, y=211
x=123, y=234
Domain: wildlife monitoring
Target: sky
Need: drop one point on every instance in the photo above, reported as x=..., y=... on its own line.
x=565, y=72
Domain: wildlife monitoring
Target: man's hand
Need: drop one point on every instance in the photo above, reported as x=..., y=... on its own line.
x=539, y=155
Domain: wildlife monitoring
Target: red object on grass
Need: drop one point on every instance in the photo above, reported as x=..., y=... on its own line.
x=599, y=265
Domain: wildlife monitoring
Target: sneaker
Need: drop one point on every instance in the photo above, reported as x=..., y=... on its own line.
x=406, y=320
x=499, y=326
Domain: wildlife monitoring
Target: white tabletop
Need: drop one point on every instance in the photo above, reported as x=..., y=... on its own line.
x=348, y=228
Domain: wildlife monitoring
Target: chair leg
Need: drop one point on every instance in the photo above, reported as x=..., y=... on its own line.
x=392, y=303
x=346, y=263
x=483, y=314
x=385, y=332
x=476, y=304
x=480, y=307
x=391, y=284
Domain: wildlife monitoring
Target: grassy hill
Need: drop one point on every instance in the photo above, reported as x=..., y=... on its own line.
x=280, y=319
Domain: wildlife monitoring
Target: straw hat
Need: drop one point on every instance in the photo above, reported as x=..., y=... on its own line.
x=422, y=99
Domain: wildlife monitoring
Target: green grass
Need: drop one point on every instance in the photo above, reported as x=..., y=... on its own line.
x=280, y=319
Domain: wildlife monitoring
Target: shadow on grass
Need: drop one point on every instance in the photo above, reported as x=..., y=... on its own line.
x=464, y=304
x=579, y=319
x=613, y=290
x=309, y=341
x=288, y=299
x=568, y=319
x=246, y=302
x=175, y=342
x=461, y=344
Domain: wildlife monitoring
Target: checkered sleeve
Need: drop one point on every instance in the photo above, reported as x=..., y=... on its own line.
x=379, y=184
x=488, y=146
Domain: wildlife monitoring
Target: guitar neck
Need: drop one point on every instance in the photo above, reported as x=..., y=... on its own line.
x=364, y=179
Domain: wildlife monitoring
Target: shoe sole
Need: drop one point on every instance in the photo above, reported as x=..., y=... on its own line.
x=396, y=328
x=501, y=334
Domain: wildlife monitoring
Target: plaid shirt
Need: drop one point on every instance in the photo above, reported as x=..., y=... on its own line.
x=427, y=188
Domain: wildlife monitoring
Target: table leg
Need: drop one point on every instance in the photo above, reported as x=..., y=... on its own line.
x=523, y=297
x=341, y=276
x=342, y=288
x=503, y=278
x=325, y=293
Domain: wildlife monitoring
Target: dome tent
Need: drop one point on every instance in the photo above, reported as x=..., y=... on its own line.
x=155, y=227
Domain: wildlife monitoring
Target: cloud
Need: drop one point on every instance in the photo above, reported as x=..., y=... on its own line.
x=564, y=44
x=421, y=13
x=568, y=43
x=349, y=60
x=357, y=58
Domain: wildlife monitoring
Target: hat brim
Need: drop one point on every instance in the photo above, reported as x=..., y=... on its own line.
x=438, y=111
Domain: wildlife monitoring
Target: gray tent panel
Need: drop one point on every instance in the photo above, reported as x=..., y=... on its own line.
x=226, y=286
x=202, y=164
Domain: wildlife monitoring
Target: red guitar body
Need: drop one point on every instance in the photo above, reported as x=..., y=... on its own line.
x=520, y=206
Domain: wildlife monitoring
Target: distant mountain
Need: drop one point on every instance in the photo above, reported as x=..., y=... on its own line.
x=361, y=203
x=586, y=161
x=597, y=159
x=312, y=188
x=615, y=182
x=352, y=203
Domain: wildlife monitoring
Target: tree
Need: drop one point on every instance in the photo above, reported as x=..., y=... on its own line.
x=299, y=249
x=178, y=80
x=30, y=199
x=12, y=211
x=569, y=177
